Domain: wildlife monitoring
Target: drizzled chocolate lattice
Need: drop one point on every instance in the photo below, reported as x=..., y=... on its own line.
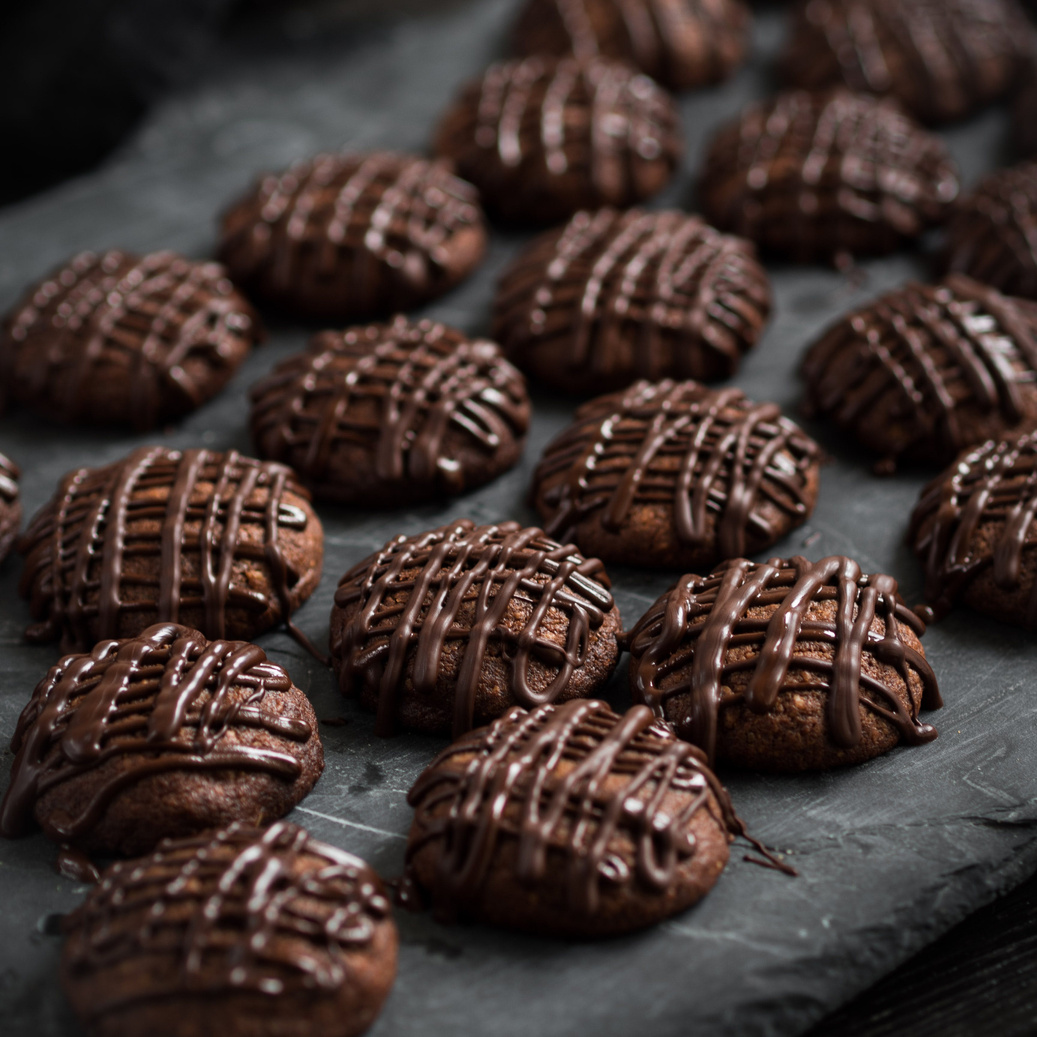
x=682, y=43
x=673, y=473
x=615, y=296
x=392, y=413
x=354, y=235
x=123, y=339
x=220, y=542
x=543, y=137
x=809, y=176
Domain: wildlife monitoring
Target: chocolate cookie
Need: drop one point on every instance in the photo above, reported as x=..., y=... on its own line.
x=447, y=630
x=216, y=541
x=240, y=932
x=10, y=504
x=974, y=530
x=393, y=414
x=682, y=43
x=993, y=234
x=166, y=734
x=942, y=59
x=927, y=369
x=543, y=137
x=356, y=235
x=614, y=296
x=810, y=176
x=674, y=474
x=120, y=339
x=568, y=820
x=1026, y=113
x=788, y=666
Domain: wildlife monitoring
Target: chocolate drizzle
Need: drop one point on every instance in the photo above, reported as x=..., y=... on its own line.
x=156, y=536
x=712, y=456
x=811, y=175
x=271, y=912
x=616, y=296
x=683, y=645
x=566, y=783
x=355, y=234
x=165, y=699
x=10, y=504
x=543, y=137
x=405, y=604
x=990, y=488
x=160, y=333
x=408, y=394
x=928, y=369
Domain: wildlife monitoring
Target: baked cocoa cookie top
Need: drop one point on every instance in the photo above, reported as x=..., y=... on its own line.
x=812, y=175
x=217, y=541
x=10, y=504
x=943, y=59
x=1025, y=105
x=682, y=43
x=993, y=234
x=975, y=532
x=101, y=726
x=926, y=370
x=570, y=820
x=543, y=137
x=354, y=235
x=613, y=296
x=444, y=630
x=124, y=339
x=393, y=413
x=270, y=931
x=767, y=638
x=672, y=473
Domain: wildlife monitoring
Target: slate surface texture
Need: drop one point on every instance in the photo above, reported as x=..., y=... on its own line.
x=890, y=854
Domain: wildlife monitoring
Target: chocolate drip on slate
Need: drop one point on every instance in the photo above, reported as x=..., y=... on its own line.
x=701, y=451
x=172, y=329
x=399, y=389
x=74, y=864
x=994, y=483
x=673, y=636
x=10, y=504
x=78, y=546
x=554, y=765
x=614, y=296
x=166, y=699
x=271, y=912
x=454, y=567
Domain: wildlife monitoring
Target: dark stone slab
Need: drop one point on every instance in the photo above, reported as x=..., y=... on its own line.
x=890, y=854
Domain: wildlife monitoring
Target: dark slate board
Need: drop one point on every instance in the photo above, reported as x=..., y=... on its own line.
x=890, y=854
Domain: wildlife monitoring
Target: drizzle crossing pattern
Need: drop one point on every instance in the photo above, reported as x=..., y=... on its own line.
x=616, y=296
x=811, y=175
x=159, y=333
x=406, y=603
x=165, y=700
x=683, y=647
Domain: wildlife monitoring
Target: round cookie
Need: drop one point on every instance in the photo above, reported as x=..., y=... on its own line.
x=813, y=176
x=393, y=414
x=163, y=735
x=942, y=59
x=1025, y=123
x=543, y=137
x=926, y=370
x=992, y=236
x=121, y=339
x=357, y=235
x=614, y=296
x=681, y=43
x=569, y=820
x=975, y=532
x=216, y=541
x=10, y=505
x=449, y=629
x=785, y=666
x=674, y=474
x=238, y=933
